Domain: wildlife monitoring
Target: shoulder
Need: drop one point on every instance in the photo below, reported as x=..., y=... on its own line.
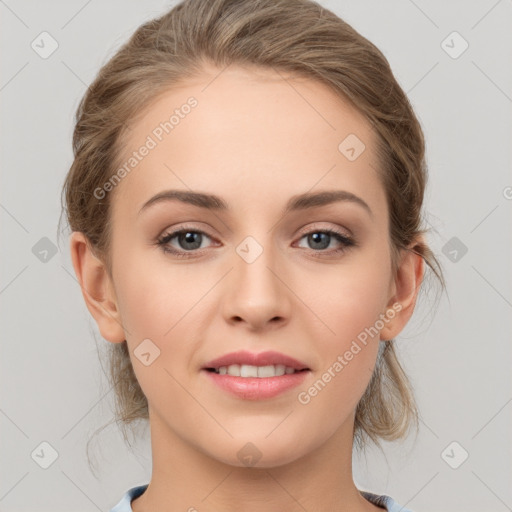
x=124, y=504
x=382, y=500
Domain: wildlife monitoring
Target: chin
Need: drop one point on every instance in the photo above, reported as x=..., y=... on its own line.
x=259, y=453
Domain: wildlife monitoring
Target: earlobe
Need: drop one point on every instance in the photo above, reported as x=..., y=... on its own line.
x=97, y=288
x=406, y=286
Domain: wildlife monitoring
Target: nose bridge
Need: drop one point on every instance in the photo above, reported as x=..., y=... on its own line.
x=257, y=294
x=256, y=256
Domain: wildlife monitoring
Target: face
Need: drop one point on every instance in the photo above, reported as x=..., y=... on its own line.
x=307, y=282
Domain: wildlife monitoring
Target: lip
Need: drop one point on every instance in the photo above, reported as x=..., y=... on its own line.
x=256, y=359
x=256, y=388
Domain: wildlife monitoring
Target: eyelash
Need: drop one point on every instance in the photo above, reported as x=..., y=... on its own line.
x=346, y=242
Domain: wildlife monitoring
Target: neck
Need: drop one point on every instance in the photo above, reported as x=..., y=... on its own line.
x=186, y=479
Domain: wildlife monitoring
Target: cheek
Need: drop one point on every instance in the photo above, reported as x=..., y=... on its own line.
x=349, y=298
x=349, y=301
x=354, y=306
x=162, y=306
x=153, y=297
x=347, y=342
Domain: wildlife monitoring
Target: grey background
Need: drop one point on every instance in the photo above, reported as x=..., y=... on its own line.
x=458, y=356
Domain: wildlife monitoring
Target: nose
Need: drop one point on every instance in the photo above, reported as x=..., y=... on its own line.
x=257, y=294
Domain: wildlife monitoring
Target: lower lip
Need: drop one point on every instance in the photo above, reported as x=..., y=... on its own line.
x=256, y=388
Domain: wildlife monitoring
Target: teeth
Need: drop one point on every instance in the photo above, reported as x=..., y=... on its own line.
x=246, y=370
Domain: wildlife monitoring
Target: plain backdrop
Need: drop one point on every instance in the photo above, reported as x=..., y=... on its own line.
x=53, y=395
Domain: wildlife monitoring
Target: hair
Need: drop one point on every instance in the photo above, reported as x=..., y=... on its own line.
x=299, y=37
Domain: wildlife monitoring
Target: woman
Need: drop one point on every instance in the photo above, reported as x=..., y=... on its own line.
x=245, y=202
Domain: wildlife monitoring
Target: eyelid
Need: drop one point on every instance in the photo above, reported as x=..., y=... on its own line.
x=184, y=227
x=316, y=226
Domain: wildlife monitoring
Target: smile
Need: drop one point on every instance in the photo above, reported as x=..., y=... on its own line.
x=247, y=370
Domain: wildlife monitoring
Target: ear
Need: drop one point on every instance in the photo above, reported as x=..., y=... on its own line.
x=404, y=292
x=97, y=288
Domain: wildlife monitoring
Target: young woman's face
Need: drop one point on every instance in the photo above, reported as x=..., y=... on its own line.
x=252, y=276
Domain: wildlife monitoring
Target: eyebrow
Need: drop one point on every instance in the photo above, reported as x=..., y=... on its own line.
x=295, y=203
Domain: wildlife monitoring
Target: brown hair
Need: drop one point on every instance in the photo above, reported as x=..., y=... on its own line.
x=295, y=36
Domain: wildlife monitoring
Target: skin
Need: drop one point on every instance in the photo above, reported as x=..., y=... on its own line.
x=255, y=139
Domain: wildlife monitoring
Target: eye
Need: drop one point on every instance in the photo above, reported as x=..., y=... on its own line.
x=319, y=240
x=188, y=240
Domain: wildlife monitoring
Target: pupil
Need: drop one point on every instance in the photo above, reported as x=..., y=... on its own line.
x=190, y=238
x=316, y=237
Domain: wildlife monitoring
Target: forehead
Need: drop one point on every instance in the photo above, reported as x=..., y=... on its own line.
x=248, y=132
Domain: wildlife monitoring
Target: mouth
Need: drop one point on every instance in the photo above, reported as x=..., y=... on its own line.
x=248, y=382
x=256, y=376
x=246, y=370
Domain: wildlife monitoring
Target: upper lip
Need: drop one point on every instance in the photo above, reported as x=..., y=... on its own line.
x=260, y=359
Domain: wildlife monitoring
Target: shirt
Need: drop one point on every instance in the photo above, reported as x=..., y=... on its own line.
x=381, y=500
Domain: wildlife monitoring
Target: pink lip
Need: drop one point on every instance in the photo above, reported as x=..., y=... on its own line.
x=262, y=359
x=255, y=388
